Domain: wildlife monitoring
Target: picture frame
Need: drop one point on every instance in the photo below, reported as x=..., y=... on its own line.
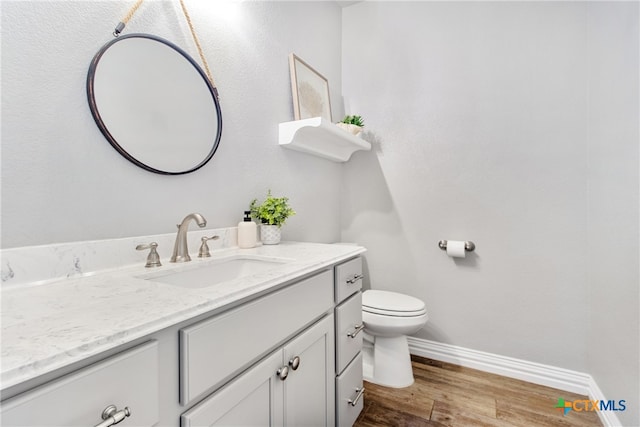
x=310, y=91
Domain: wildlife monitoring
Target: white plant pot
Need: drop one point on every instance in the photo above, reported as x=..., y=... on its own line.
x=352, y=129
x=270, y=234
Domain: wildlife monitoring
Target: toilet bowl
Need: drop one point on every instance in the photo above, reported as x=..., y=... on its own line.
x=388, y=318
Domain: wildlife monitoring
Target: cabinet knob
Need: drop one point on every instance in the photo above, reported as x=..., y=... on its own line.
x=294, y=363
x=283, y=373
x=112, y=416
x=356, y=331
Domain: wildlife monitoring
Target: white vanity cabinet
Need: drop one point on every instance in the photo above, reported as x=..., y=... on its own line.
x=127, y=380
x=349, y=326
x=291, y=387
x=288, y=354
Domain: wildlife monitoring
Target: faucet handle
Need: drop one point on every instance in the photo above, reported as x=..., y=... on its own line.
x=204, y=248
x=153, y=259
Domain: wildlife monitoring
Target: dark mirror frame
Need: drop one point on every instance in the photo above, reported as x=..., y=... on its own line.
x=103, y=127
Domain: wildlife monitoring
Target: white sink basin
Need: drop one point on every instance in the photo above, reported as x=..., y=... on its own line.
x=215, y=272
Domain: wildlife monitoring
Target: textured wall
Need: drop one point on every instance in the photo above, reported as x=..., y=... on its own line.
x=62, y=181
x=613, y=149
x=515, y=125
x=479, y=115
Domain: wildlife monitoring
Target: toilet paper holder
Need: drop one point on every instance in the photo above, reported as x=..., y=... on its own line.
x=468, y=245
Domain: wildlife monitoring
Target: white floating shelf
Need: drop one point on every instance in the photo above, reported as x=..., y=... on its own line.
x=321, y=138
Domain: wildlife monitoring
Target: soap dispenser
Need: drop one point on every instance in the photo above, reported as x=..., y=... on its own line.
x=247, y=232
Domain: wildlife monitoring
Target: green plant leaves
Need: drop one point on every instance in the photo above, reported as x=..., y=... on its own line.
x=273, y=211
x=354, y=120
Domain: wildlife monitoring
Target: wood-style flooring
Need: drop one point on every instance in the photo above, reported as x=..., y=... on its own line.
x=449, y=395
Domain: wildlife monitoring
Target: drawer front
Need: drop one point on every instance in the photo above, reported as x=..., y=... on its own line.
x=213, y=351
x=349, y=393
x=348, y=279
x=129, y=379
x=348, y=330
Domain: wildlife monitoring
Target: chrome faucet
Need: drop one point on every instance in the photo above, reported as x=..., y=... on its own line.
x=180, y=249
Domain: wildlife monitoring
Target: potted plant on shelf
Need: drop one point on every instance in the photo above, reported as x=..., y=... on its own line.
x=352, y=124
x=272, y=214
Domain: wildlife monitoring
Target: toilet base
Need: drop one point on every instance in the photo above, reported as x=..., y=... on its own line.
x=387, y=362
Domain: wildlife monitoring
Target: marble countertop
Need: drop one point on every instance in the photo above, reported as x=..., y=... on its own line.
x=48, y=326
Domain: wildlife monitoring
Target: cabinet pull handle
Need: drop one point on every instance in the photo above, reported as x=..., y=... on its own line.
x=283, y=373
x=360, y=392
x=356, y=331
x=112, y=416
x=295, y=363
x=354, y=279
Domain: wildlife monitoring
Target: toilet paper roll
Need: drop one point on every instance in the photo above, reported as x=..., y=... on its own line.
x=455, y=249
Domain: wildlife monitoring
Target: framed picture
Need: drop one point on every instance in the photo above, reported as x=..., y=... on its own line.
x=310, y=91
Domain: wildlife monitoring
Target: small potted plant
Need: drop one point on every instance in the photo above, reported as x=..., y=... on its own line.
x=352, y=124
x=272, y=214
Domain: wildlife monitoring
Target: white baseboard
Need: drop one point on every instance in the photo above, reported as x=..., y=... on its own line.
x=550, y=376
x=608, y=419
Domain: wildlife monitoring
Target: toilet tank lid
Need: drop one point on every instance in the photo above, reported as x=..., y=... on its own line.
x=391, y=301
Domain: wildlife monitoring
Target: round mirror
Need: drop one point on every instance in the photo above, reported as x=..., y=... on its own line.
x=154, y=104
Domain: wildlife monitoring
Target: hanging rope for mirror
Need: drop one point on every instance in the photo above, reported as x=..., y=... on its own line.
x=132, y=11
x=126, y=19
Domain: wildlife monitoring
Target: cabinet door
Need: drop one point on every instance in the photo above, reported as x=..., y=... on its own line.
x=253, y=399
x=309, y=389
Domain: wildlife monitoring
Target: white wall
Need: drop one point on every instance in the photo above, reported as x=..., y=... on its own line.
x=484, y=131
x=479, y=112
x=62, y=181
x=613, y=257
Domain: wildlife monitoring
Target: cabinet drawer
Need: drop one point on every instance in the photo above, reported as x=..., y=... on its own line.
x=129, y=379
x=348, y=278
x=349, y=389
x=348, y=330
x=215, y=350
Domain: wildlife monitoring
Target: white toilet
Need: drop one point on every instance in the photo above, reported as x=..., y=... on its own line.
x=388, y=318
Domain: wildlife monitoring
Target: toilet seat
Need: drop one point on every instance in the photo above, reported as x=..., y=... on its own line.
x=393, y=304
x=391, y=313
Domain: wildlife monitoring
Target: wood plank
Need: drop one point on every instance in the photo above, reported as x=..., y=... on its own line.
x=455, y=387
x=378, y=415
x=496, y=386
x=449, y=414
x=412, y=400
x=445, y=394
x=517, y=413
